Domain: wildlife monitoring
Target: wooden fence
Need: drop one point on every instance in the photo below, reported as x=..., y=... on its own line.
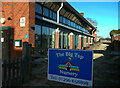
x=16, y=71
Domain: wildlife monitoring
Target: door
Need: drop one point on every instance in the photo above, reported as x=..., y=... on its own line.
x=5, y=44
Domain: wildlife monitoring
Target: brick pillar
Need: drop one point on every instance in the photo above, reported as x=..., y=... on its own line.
x=85, y=38
x=80, y=42
x=88, y=41
x=91, y=40
x=71, y=40
x=57, y=38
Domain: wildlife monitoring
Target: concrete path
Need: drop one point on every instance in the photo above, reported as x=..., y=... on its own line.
x=106, y=66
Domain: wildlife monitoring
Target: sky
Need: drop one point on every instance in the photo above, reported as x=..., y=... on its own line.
x=105, y=13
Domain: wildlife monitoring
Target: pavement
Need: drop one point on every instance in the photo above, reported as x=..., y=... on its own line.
x=105, y=65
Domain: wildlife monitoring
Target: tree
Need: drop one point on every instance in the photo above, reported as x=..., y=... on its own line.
x=114, y=32
x=94, y=22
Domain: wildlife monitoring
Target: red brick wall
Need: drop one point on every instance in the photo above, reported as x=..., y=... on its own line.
x=32, y=23
x=56, y=39
x=88, y=41
x=16, y=10
x=71, y=41
x=95, y=34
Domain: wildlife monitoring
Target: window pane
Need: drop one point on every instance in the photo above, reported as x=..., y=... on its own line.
x=45, y=12
x=37, y=36
x=79, y=27
x=90, y=40
x=52, y=38
x=61, y=42
x=51, y=14
x=82, y=41
x=38, y=8
x=69, y=22
x=66, y=21
x=54, y=16
x=45, y=37
x=63, y=20
x=72, y=24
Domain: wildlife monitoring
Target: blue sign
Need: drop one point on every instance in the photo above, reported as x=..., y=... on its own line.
x=26, y=36
x=71, y=66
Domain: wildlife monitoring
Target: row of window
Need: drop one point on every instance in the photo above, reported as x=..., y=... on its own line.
x=52, y=15
x=46, y=12
x=45, y=38
x=71, y=23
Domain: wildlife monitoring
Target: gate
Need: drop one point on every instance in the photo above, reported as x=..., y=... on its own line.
x=17, y=71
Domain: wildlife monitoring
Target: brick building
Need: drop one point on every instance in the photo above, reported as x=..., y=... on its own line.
x=44, y=25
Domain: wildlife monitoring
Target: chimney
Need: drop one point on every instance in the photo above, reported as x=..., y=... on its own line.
x=82, y=14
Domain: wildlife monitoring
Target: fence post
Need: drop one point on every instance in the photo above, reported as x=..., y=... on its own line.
x=17, y=71
x=5, y=73
x=26, y=60
x=30, y=61
x=13, y=71
x=9, y=72
x=21, y=70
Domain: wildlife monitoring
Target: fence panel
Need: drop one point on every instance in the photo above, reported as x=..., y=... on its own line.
x=17, y=71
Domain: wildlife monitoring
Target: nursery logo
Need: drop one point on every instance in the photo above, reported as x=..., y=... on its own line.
x=68, y=66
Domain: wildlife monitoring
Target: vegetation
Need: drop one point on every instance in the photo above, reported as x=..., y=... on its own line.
x=94, y=22
x=114, y=32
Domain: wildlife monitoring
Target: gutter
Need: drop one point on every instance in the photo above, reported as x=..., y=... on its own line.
x=59, y=12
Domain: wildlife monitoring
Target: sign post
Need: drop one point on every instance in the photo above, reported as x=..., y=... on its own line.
x=71, y=66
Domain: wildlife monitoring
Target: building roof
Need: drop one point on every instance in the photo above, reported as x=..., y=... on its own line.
x=73, y=10
x=78, y=14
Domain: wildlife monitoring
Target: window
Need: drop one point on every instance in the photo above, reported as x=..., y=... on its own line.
x=64, y=20
x=90, y=40
x=45, y=37
x=79, y=27
x=61, y=19
x=72, y=24
x=61, y=42
x=45, y=12
x=76, y=26
x=54, y=16
x=52, y=38
x=51, y=14
x=37, y=36
x=83, y=29
x=65, y=41
x=38, y=8
x=76, y=41
x=87, y=40
x=82, y=41
x=69, y=22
